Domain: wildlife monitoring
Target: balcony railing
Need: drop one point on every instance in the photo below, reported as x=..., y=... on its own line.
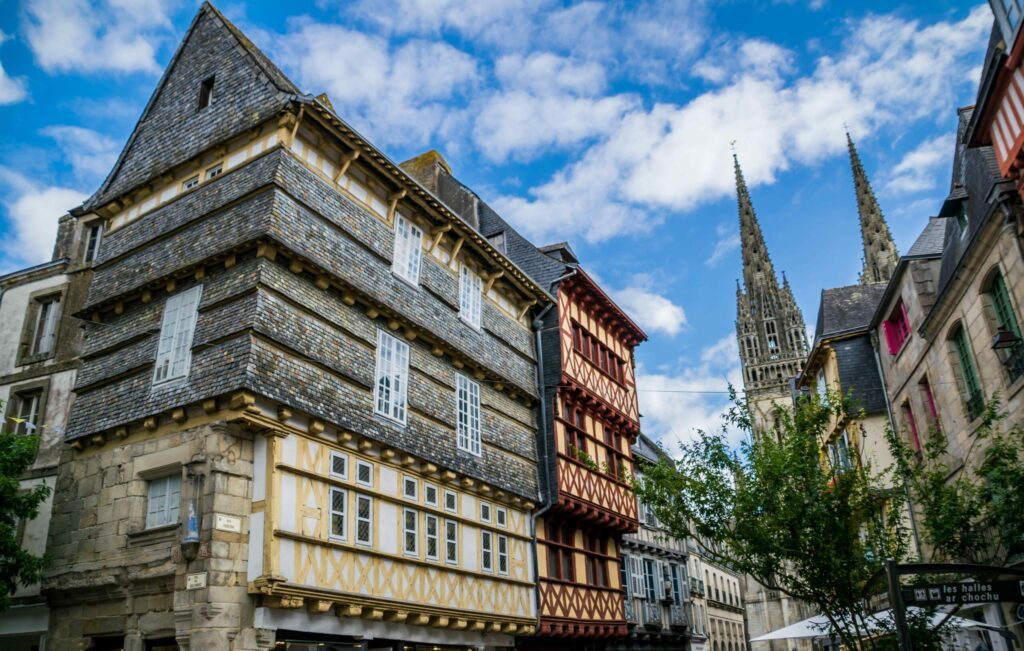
x=975, y=404
x=677, y=616
x=630, y=610
x=652, y=614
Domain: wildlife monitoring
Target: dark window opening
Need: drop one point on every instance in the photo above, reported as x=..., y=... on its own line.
x=206, y=93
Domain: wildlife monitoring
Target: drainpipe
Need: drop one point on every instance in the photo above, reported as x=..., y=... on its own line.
x=892, y=425
x=538, y=327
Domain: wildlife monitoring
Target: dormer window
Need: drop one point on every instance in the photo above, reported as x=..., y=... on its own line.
x=206, y=93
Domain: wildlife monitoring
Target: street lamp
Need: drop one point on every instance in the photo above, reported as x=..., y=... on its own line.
x=1004, y=340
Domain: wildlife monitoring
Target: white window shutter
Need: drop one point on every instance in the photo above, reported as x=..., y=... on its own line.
x=177, y=329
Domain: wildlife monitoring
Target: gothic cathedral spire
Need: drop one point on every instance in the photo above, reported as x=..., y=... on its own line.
x=880, y=254
x=770, y=328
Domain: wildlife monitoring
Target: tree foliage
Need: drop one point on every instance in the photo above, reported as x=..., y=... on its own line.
x=778, y=509
x=17, y=566
x=970, y=503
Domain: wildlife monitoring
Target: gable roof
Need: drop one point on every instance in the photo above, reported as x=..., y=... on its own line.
x=249, y=88
x=847, y=309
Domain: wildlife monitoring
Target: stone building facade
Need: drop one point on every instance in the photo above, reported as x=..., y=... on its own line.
x=654, y=577
x=38, y=364
x=959, y=290
x=305, y=408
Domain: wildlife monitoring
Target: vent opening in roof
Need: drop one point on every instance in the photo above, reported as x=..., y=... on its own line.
x=206, y=93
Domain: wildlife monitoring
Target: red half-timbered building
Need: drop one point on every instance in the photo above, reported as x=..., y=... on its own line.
x=593, y=421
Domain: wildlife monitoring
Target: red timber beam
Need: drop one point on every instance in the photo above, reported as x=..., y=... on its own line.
x=578, y=393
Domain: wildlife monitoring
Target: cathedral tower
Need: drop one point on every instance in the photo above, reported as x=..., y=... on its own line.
x=770, y=328
x=880, y=254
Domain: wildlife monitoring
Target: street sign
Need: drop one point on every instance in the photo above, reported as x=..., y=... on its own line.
x=964, y=593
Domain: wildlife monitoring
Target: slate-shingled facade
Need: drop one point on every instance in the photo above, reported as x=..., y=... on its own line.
x=280, y=491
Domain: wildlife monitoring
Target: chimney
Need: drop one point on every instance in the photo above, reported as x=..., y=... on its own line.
x=427, y=168
x=435, y=174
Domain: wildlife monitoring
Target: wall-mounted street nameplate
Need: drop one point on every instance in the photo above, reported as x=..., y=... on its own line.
x=195, y=581
x=227, y=523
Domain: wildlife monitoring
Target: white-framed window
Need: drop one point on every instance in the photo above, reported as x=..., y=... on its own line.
x=430, y=523
x=408, y=249
x=637, y=572
x=467, y=395
x=163, y=499
x=486, y=551
x=429, y=494
x=821, y=385
x=485, y=512
x=451, y=542
x=502, y=554
x=190, y=183
x=214, y=172
x=364, y=473
x=451, y=502
x=392, y=371
x=364, y=519
x=339, y=464
x=27, y=405
x=94, y=236
x=174, y=351
x=501, y=516
x=471, y=290
x=338, y=521
x=44, y=332
x=410, y=488
x=411, y=532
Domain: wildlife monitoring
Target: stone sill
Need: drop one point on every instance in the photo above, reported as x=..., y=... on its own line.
x=161, y=534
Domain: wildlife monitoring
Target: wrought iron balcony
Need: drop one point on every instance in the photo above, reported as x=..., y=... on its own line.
x=630, y=611
x=975, y=405
x=677, y=616
x=652, y=614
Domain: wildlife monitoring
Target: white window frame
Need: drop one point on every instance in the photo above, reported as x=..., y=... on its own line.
x=485, y=511
x=360, y=464
x=427, y=489
x=415, y=531
x=170, y=508
x=636, y=571
x=502, y=554
x=408, y=481
x=214, y=171
x=92, y=244
x=343, y=514
x=344, y=458
x=455, y=501
x=189, y=183
x=368, y=520
x=408, y=249
x=822, y=385
x=391, y=378
x=44, y=334
x=501, y=516
x=471, y=292
x=468, y=416
x=451, y=542
x=177, y=329
x=486, y=551
x=432, y=520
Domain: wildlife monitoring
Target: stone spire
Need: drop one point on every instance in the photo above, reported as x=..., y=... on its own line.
x=880, y=254
x=770, y=328
x=758, y=272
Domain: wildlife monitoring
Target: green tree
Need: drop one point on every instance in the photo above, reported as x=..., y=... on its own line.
x=970, y=503
x=17, y=567
x=778, y=509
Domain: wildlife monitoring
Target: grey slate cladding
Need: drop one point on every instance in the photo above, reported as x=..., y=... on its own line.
x=931, y=240
x=845, y=309
x=858, y=373
x=247, y=91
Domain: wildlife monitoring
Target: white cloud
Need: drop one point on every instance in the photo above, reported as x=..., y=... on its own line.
x=12, y=89
x=90, y=153
x=397, y=94
x=728, y=241
x=544, y=101
x=105, y=35
x=918, y=168
x=652, y=311
x=32, y=212
x=672, y=158
x=676, y=403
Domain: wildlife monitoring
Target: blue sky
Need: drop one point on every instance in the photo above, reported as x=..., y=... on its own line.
x=605, y=124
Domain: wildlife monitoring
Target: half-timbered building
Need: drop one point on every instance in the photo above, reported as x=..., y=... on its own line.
x=305, y=411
